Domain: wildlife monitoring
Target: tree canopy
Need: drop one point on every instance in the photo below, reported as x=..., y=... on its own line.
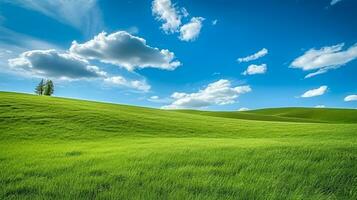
x=45, y=88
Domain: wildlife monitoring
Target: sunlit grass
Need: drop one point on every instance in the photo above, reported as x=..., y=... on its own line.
x=53, y=148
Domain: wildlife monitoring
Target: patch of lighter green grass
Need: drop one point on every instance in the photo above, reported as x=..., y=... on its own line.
x=179, y=168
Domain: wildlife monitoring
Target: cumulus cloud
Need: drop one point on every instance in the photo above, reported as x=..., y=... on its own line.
x=166, y=12
x=243, y=109
x=351, y=98
x=125, y=50
x=217, y=93
x=191, y=30
x=333, y=2
x=66, y=66
x=324, y=59
x=84, y=15
x=123, y=82
x=315, y=92
x=255, y=69
x=255, y=56
x=51, y=63
x=171, y=16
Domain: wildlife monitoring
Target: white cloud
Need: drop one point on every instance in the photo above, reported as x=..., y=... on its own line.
x=333, y=2
x=184, y=12
x=171, y=16
x=351, y=98
x=84, y=15
x=125, y=50
x=45, y=62
x=315, y=92
x=325, y=59
x=51, y=63
x=217, y=93
x=214, y=22
x=255, y=56
x=320, y=106
x=165, y=11
x=243, y=109
x=157, y=99
x=154, y=98
x=66, y=66
x=12, y=44
x=123, y=82
x=255, y=69
x=191, y=30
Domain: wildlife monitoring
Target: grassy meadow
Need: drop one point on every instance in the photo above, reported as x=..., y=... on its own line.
x=56, y=148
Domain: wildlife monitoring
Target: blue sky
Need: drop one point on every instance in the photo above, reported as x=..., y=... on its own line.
x=215, y=55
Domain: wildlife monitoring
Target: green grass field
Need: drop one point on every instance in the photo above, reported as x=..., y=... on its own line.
x=56, y=148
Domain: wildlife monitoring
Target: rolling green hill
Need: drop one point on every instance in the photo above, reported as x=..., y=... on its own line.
x=332, y=115
x=325, y=115
x=57, y=148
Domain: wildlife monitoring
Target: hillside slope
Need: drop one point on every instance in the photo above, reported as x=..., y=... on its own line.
x=247, y=116
x=317, y=115
x=56, y=148
x=335, y=115
x=47, y=117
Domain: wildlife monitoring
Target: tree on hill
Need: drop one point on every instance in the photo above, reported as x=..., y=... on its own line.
x=45, y=88
x=39, y=88
x=48, y=88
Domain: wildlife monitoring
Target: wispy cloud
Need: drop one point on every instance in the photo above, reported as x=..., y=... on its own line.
x=214, y=22
x=83, y=15
x=154, y=98
x=333, y=2
x=255, y=56
x=14, y=40
x=324, y=59
x=13, y=43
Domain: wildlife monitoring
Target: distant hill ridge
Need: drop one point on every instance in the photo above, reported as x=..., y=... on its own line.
x=293, y=114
